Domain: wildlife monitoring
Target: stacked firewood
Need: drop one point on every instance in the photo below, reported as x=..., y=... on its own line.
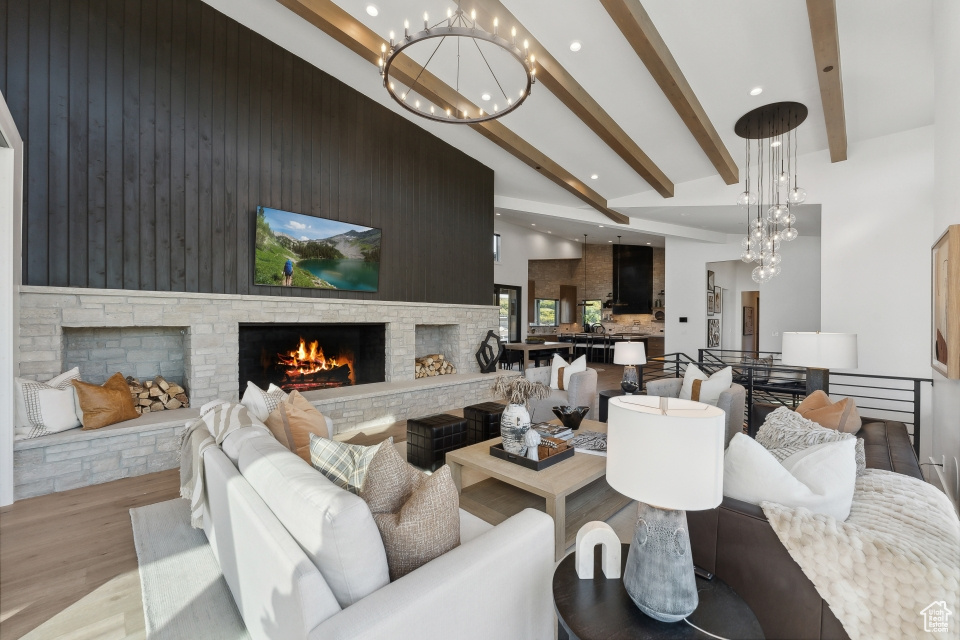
x=433, y=365
x=156, y=395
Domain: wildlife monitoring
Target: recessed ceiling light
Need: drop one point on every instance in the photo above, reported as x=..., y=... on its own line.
x=577, y=239
x=533, y=224
x=601, y=226
x=594, y=177
x=575, y=46
x=372, y=11
x=648, y=243
x=485, y=96
x=549, y=231
x=498, y=214
x=756, y=91
x=609, y=240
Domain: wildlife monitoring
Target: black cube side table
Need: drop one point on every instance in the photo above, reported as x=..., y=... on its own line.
x=600, y=608
x=483, y=421
x=429, y=438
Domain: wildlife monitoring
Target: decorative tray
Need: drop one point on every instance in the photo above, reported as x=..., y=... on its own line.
x=537, y=465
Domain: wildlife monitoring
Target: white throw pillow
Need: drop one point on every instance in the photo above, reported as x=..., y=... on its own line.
x=46, y=407
x=578, y=365
x=820, y=478
x=261, y=403
x=711, y=386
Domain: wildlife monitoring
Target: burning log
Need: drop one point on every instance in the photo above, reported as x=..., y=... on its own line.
x=158, y=394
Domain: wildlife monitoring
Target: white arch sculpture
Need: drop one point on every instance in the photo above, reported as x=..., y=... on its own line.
x=589, y=536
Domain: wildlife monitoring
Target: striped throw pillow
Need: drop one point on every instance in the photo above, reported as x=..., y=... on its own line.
x=345, y=465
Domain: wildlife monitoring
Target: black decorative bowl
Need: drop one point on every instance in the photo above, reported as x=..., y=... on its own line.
x=571, y=417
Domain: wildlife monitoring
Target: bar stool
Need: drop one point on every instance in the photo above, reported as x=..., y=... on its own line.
x=581, y=344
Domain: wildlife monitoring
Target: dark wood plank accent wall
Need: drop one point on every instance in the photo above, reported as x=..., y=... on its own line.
x=153, y=130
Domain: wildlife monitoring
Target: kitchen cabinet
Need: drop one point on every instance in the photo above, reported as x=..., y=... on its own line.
x=568, y=304
x=633, y=278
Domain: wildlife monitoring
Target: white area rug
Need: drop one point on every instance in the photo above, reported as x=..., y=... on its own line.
x=184, y=594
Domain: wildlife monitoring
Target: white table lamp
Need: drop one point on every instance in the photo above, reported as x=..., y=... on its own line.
x=667, y=454
x=819, y=352
x=629, y=354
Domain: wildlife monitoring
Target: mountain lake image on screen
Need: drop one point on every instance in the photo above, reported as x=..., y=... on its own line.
x=296, y=250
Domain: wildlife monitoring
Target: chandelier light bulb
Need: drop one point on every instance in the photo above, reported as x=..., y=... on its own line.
x=496, y=26
x=783, y=178
x=448, y=113
x=495, y=107
x=755, y=275
x=533, y=59
x=747, y=198
x=392, y=36
x=790, y=234
x=473, y=16
x=383, y=48
x=418, y=104
x=521, y=93
x=797, y=195
x=509, y=102
x=776, y=259
x=431, y=108
x=406, y=29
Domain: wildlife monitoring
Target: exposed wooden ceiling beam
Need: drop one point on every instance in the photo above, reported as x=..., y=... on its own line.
x=826, y=51
x=343, y=28
x=559, y=81
x=639, y=30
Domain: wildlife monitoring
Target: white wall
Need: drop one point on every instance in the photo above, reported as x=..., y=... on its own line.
x=11, y=200
x=945, y=434
x=789, y=302
x=519, y=245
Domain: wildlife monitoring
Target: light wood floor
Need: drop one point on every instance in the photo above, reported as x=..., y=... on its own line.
x=68, y=568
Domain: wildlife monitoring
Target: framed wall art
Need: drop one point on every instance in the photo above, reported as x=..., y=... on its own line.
x=749, y=321
x=710, y=303
x=945, y=332
x=713, y=333
x=717, y=300
x=709, y=280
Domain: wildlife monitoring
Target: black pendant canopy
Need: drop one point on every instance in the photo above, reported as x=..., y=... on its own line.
x=770, y=120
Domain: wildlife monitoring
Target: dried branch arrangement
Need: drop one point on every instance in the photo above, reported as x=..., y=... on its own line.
x=519, y=390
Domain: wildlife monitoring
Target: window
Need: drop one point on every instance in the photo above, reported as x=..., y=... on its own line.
x=593, y=312
x=546, y=312
x=496, y=247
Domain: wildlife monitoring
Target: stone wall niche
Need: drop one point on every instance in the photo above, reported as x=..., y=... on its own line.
x=438, y=338
x=142, y=352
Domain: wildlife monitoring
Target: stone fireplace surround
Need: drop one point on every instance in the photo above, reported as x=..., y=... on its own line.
x=210, y=326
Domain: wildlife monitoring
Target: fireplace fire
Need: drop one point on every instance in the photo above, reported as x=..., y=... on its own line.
x=304, y=357
x=306, y=367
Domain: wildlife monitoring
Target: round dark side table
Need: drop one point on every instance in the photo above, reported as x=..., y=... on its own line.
x=600, y=609
x=604, y=402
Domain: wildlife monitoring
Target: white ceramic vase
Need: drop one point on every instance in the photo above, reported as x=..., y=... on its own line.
x=514, y=424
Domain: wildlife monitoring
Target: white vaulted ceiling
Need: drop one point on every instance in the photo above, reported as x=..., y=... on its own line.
x=724, y=49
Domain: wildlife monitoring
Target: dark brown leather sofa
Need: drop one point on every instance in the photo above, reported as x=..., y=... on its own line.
x=736, y=543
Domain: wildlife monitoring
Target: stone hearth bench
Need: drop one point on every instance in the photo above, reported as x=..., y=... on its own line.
x=380, y=404
x=78, y=458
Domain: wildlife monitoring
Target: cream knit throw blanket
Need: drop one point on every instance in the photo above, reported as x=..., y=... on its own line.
x=897, y=552
x=209, y=430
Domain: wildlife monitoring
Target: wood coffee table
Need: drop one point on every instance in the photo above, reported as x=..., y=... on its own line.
x=572, y=492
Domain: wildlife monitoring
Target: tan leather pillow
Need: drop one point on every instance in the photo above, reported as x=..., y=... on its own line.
x=105, y=405
x=418, y=515
x=841, y=415
x=293, y=421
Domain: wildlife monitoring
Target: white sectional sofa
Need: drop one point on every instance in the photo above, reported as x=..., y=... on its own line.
x=304, y=559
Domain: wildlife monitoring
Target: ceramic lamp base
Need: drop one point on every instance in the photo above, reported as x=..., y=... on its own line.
x=659, y=574
x=630, y=383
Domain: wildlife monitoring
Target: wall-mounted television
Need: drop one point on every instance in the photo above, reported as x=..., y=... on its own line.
x=296, y=250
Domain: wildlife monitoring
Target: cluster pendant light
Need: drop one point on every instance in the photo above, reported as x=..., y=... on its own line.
x=771, y=188
x=469, y=38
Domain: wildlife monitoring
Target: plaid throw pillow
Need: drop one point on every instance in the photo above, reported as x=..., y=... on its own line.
x=345, y=465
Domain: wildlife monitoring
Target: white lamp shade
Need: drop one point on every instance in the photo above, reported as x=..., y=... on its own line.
x=671, y=460
x=629, y=353
x=820, y=350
